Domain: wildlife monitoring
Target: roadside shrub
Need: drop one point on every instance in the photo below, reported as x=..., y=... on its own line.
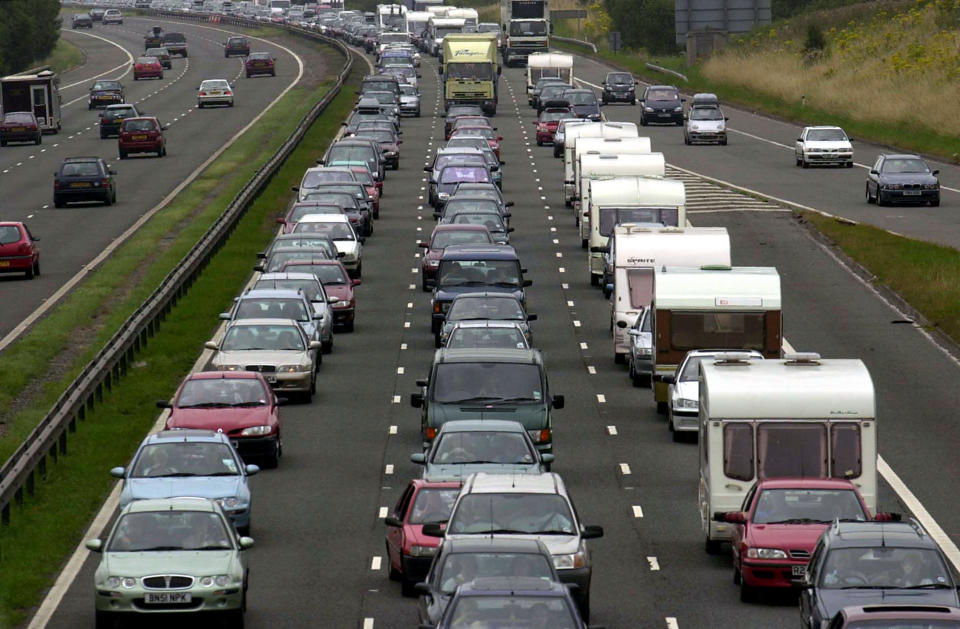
x=816, y=40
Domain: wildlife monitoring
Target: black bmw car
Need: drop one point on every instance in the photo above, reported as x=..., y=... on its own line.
x=103, y=93
x=902, y=179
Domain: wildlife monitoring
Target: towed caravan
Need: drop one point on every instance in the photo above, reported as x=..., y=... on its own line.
x=595, y=130
x=802, y=416
x=542, y=64
x=593, y=165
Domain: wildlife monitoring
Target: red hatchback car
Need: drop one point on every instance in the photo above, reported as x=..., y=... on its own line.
x=409, y=551
x=141, y=135
x=20, y=126
x=468, y=121
x=240, y=403
x=548, y=122
x=442, y=237
x=260, y=63
x=336, y=283
x=19, y=252
x=779, y=525
x=147, y=67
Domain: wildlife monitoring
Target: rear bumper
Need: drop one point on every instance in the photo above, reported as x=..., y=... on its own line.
x=140, y=147
x=146, y=74
x=81, y=194
x=16, y=264
x=20, y=136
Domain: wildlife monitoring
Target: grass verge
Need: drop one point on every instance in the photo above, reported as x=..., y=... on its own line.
x=65, y=56
x=47, y=528
x=926, y=275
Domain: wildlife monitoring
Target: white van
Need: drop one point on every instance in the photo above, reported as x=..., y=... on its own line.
x=595, y=130
x=630, y=200
x=712, y=306
x=541, y=64
x=802, y=416
x=600, y=158
x=635, y=251
x=470, y=16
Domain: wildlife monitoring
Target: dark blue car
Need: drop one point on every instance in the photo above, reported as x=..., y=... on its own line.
x=512, y=602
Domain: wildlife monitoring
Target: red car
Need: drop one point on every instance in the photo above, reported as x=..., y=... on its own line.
x=374, y=187
x=482, y=132
x=146, y=67
x=337, y=283
x=548, y=122
x=260, y=63
x=442, y=237
x=20, y=126
x=301, y=209
x=19, y=252
x=781, y=521
x=409, y=551
x=141, y=135
x=240, y=403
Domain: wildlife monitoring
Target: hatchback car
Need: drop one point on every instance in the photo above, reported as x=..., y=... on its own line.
x=533, y=94
x=619, y=87
x=96, y=14
x=310, y=286
x=661, y=104
x=215, y=92
x=277, y=348
x=170, y=555
x=486, y=307
x=81, y=20
x=442, y=237
x=408, y=550
x=84, y=179
x=313, y=178
x=141, y=135
x=494, y=446
x=338, y=284
x=353, y=198
x=481, y=132
x=113, y=115
x=705, y=125
x=103, y=93
x=902, y=179
x=198, y=463
x=236, y=46
x=282, y=304
x=498, y=602
x=112, y=16
x=409, y=100
x=146, y=68
x=583, y=103
x=456, y=111
x=19, y=252
x=486, y=334
x=176, y=43
x=823, y=145
x=449, y=176
x=338, y=228
x=260, y=63
x=20, y=126
x=389, y=143
x=356, y=152
x=547, y=123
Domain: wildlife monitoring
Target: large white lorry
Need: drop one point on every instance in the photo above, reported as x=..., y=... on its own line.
x=527, y=27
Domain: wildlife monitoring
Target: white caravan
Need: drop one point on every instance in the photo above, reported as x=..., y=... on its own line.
x=553, y=64
x=595, y=130
x=470, y=16
x=635, y=162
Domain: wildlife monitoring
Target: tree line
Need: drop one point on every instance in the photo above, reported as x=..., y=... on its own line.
x=29, y=30
x=645, y=24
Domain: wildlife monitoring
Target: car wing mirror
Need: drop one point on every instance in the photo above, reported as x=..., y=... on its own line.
x=419, y=458
x=251, y=469
x=592, y=531
x=668, y=379
x=416, y=400
x=527, y=283
x=432, y=529
x=531, y=317
x=224, y=316
x=393, y=521
x=633, y=332
x=874, y=171
x=508, y=204
x=94, y=545
x=118, y=472
x=936, y=172
x=558, y=402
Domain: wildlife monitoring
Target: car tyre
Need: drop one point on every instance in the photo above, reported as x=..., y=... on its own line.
x=35, y=269
x=395, y=575
x=661, y=408
x=712, y=546
x=686, y=140
x=850, y=164
x=108, y=200
x=869, y=196
x=935, y=202
x=804, y=163
x=122, y=155
x=880, y=198
x=643, y=121
x=748, y=594
x=436, y=339
x=103, y=620
x=723, y=142
x=583, y=606
x=57, y=203
x=407, y=587
x=271, y=462
x=163, y=151
x=39, y=139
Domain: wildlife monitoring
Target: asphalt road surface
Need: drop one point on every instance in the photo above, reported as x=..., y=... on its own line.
x=316, y=518
x=71, y=237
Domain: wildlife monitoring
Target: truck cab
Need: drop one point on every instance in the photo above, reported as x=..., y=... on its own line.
x=527, y=26
x=470, y=71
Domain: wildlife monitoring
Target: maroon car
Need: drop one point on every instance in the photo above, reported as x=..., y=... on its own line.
x=19, y=252
x=337, y=283
x=20, y=126
x=467, y=121
x=239, y=403
x=141, y=135
x=260, y=63
x=147, y=67
x=779, y=525
x=303, y=208
x=442, y=237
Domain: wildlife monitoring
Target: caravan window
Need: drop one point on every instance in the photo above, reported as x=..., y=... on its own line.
x=845, y=449
x=738, y=451
x=610, y=217
x=640, y=283
x=695, y=330
x=792, y=449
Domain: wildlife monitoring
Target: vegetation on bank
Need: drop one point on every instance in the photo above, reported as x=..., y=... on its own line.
x=65, y=56
x=29, y=30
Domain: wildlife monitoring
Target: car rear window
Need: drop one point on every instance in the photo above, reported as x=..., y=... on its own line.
x=146, y=60
x=9, y=234
x=80, y=169
x=174, y=37
x=139, y=125
x=19, y=118
x=261, y=56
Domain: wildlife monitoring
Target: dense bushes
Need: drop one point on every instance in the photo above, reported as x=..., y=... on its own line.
x=644, y=24
x=29, y=30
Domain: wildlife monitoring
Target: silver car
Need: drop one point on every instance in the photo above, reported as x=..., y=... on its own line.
x=705, y=125
x=277, y=348
x=316, y=295
x=486, y=306
x=639, y=358
x=265, y=303
x=215, y=92
x=409, y=100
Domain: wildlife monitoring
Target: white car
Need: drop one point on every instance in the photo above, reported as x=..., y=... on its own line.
x=683, y=395
x=215, y=92
x=112, y=16
x=338, y=228
x=705, y=125
x=823, y=145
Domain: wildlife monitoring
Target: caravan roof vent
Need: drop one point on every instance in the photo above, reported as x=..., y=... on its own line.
x=802, y=358
x=732, y=358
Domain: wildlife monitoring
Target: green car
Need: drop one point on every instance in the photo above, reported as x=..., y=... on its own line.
x=172, y=555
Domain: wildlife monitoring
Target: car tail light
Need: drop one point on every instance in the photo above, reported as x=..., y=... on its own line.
x=544, y=436
x=203, y=93
x=104, y=182
x=437, y=307
x=229, y=93
x=56, y=184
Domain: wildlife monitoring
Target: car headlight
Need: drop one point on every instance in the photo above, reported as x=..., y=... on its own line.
x=648, y=108
x=931, y=186
x=766, y=553
x=680, y=108
x=230, y=502
x=113, y=582
x=443, y=196
x=125, y=582
x=694, y=127
x=568, y=562
x=231, y=367
x=219, y=580
x=343, y=303
x=252, y=431
x=293, y=368
x=422, y=551
x=539, y=436
x=431, y=263
x=893, y=186
x=684, y=403
x=644, y=351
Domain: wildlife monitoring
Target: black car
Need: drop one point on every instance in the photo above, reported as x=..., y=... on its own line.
x=497, y=602
x=81, y=20
x=861, y=563
x=550, y=91
x=456, y=111
x=661, y=103
x=97, y=14
x=583, y=103
x=84, y=179
x=113, y=116
x=902, y=179
x=237, y=46
x=541, y=83
x=176, y=43
x=103, y=93
x=462, y=560
x=619, y=87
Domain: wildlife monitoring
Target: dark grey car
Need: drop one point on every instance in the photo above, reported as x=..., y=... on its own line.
x=902, y=179
x=661, y=104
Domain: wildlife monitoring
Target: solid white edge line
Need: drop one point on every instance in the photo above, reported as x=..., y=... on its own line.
x=128, y=62
x=109, y=249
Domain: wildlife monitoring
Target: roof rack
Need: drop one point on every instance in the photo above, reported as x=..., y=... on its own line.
x=802, y=358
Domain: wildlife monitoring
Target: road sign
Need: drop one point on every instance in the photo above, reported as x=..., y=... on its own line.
x=615, y=43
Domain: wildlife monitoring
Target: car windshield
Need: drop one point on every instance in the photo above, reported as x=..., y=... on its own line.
x=345, y=194
x=487, y=27
x=511, y=337
x=10, y=234
x=306, y=209
x=620, y=79
x=187, y=458
x=445, y=238
x=328, y=274
x=455, y=205
x=364, y=177
x=139, y=125
x=459, y=159
x=580, y=98
x=221, y=392
x=119, y=112
x=379, y=136
x=273, y=308
x=475, y=71
x=332, y=230
x=463, y=110
x=432, y=505
x=884, y=567
x=408, y=90
x=511, y=612
x=18, y=118
x=459, y=568
x=485, y=308
x=169, y=530
x=402, y=71
x=525, y=29
x=705, y=113
x=279, y=258
x=376, y=86
x=314, y=178
x=662, y=94
x=339, y=154
x=80, y=169
x=214, y=85
x=905, y=165
x=106, y=85
x=552, y=91
x=788, y=506
x=488, y=382
x=512, y=513
x=384, y=98
x=240, y=338
x=479, y=132
x=554, y=116
x=467, y=141
x=479, y=273
x=456, y=174
x=507, y=448
x=309, y=287
x=237, y=41
x=826, y=135
x=443, y=31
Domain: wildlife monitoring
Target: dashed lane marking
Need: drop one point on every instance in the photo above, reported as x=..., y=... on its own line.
x=637, y=511
x=612, y=431
x=625, y=469
x=396, y=399
x=375, y=562
x=654, y=563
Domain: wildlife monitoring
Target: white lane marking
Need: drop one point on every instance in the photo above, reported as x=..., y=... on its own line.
x=561, y=270
x=403, y=346
x=591, y=370
x=601, y=398
x=399, y=371
x=382, y=513
x=654, y=564
x=565, y=286
x=672, y=623
x=559, y=255
x=388, y=469
x=583, y=346
x=392, y=430
x=612, y=431
x=412, y=286
x=637, y=511
x=406, y=324
x=368, y=623
x=396, y=399
x=128, y=62
x=576, y=323
x=625, y=468
x=375, y=562
x=569, y=304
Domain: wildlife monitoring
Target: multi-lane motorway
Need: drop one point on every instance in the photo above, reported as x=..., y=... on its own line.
x=72, y=237
x=317, y=520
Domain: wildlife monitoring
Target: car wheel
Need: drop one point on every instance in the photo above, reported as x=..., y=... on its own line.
x=30, y=272
x=395, y=575
x=163, y=152
x=103, y=136
x=271, y=461
x=327, y=346
x=39, y=139
x=407, y=587
x=804, y=163
x=736, y=575
x=36, y=269
x=686, y=140
x=57, y=203
x=595, y=281
x=107, y=200
x=423, y=285
x=136, y=78
x=935, y=202
x=661, y=408
x=747, y=593
x=850, y=164
x=619, y=359
x=723, y=142
x=869, y=196
x=274, y=73
x=248, y=75
x=103, y=620
x=123, y=155
x=881, y=200
x=376, y=212
x=436, y=339
x=711, y=546
x=584, y=606
x=643, y=121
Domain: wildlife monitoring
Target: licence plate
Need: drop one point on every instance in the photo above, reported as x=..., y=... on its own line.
x=4, y=263
x=798, y=571
x=160, y=598
x=18, y=129
x=911, y=193
x=663, y=115
x=138, y=138
x=215, y=93
x=80, y=184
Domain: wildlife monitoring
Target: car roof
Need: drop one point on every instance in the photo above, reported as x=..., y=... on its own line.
x=223, y=375
x=888, y=534
x=187, y=434
x=482, y=425
x=827, y=126
x=805, y=483
x=510, y=586
x=901, y=156
x=288, y=276
x=472, y=252
x=484, y=483
x=662, y=87
x=486, y=354
x=449, y=227
x=486, y=323
x=171, y=504
x=271, y=293
x=478, y=544
x=264, y=321
x=80, y=159
x=325, y=218
x=121, y=106
x=486, y=295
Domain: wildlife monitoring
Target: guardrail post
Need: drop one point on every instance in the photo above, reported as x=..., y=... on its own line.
x=42, y=467
x=5, y=514
x=30, y=483
x=63, y=441
x=54, y=453
x=18, y=496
